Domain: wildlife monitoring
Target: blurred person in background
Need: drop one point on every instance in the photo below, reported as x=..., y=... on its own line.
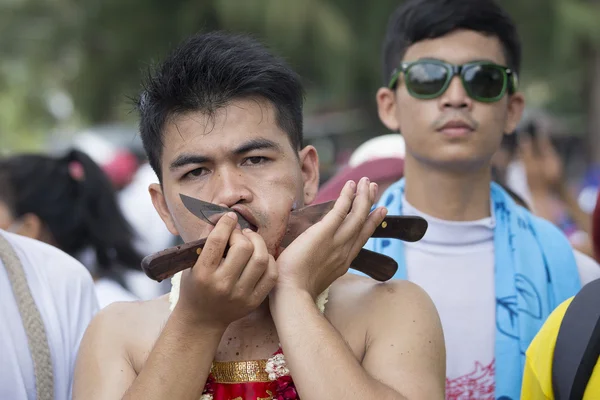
x=380, y=159
x=494, y=271
x=130, y=174
x=47, y=300
x=151, y=234
x=551, y=196
x=69, y=203
x=118, y=162
x=529, y=167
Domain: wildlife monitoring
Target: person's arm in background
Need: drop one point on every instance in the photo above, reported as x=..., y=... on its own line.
x=582, y=219
x=543, y=171
x=547, y=184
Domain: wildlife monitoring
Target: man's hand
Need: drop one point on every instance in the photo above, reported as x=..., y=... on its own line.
x=324, y=252
x=219, y=290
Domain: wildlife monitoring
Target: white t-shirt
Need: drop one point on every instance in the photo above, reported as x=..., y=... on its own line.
x=454, y=264
x=63, y=291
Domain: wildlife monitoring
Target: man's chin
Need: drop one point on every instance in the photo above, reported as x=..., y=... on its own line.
x=277, y=252
x=457, y=162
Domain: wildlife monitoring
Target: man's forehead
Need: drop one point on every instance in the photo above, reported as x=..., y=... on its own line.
x=228, y=127
x=459, y=47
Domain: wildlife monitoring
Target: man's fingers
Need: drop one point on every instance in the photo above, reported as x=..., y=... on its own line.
x=375, y=219
x=341, y=208
x=217, y=241
x=374, y=191
x=240, y=252
x=258, y=263
x=266, y=282
x=361, y=208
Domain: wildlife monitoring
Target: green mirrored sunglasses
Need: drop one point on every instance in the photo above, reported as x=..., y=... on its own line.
x=483, y=81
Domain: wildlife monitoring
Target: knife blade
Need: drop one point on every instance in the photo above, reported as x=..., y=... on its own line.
x=210, y=212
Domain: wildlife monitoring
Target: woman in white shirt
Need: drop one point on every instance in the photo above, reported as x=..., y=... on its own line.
x=69, y=202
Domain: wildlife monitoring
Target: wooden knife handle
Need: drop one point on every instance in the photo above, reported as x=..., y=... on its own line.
x=404, y=227
x=378, y=266
x=166, y=263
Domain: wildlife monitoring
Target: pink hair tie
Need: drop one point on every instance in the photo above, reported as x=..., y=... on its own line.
x=76, y=171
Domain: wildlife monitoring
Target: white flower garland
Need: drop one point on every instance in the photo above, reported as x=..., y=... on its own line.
x=175, y=287
x=276, y=366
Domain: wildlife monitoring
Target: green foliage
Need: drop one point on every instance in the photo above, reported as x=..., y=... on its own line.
x=97, y=50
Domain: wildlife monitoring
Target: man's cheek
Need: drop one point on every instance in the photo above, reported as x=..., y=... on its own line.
x=194, y=229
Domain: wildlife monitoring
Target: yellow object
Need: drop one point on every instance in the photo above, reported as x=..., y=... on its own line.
x=240, y=371
x=537, y=377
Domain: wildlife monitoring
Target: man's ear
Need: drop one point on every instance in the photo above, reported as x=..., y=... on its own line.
x=516, y=106
x=160, y=204
x=386, y=108
x=309, y=163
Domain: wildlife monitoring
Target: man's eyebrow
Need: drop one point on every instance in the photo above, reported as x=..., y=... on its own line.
x=254, y=144
x=257, y=144
x=185, y=159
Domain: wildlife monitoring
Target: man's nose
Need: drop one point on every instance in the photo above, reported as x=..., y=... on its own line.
x=455, y=96
x=231, y=187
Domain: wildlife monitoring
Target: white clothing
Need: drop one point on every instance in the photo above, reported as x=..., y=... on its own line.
x=63, y=291
x=516, y=180
x=152, y=234
x=109, y=291
x=143, y=287
x=139, y=211
x=454, y=264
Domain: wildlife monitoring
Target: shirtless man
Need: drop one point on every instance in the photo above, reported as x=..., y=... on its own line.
x=221, y=120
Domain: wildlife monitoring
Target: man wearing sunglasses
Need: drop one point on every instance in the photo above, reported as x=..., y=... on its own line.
x=494, y=271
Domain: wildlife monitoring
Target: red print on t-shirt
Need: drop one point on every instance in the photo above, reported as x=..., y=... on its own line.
x=479, y=384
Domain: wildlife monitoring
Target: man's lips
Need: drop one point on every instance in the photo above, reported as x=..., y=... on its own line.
x=247, y=215
x=456, y=128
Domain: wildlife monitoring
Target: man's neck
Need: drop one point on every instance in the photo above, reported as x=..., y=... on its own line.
x=448, y=195
x=252, y=337
x=256, y=320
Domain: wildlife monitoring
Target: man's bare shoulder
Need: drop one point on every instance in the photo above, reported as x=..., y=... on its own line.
x=356, y=292
x=145, y=313
x=366, y=311
x=359, y=300
x=133, y=326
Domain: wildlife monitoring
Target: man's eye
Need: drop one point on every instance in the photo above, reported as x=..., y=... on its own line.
x=255, y=160
x=196, y=172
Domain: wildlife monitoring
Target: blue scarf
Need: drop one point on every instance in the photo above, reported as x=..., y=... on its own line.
x=535, y=270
